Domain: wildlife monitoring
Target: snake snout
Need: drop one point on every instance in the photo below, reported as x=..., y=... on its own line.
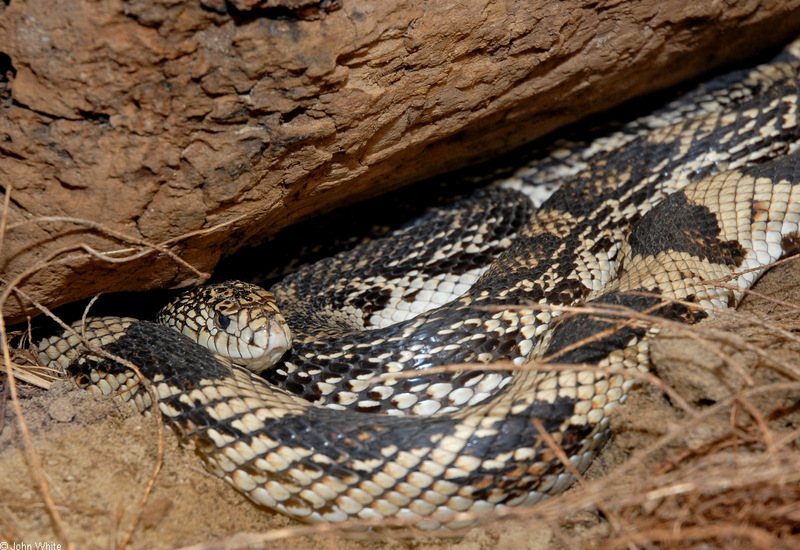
x=273, y=339
x=256, y=339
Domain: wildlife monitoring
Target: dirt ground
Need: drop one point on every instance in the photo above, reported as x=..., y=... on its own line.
x=653, y=482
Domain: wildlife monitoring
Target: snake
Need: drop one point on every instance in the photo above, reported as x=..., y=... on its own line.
x=470, y=360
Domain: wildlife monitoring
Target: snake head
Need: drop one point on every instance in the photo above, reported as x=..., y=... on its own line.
x=237, y=321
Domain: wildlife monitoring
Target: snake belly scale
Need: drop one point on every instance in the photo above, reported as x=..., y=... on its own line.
x=647, y=219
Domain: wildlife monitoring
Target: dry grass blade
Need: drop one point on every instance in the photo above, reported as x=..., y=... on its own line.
x=12, y=385
x=128, y=534
x=36, y=375
x=12, y=371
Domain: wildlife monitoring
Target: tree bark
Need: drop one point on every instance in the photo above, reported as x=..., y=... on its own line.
x=136, y=132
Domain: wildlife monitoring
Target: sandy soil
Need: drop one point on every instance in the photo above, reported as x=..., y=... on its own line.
x=98, y=455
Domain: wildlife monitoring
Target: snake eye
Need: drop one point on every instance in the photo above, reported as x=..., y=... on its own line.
x=222, y=321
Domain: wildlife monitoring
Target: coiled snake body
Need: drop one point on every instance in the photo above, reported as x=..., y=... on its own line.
x=649, y=219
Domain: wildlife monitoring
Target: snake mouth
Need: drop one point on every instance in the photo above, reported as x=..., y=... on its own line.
x=272, y=341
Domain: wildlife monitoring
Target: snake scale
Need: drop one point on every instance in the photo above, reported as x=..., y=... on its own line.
x=647, y=219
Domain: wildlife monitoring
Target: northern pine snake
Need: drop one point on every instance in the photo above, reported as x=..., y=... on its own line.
x=723, y=156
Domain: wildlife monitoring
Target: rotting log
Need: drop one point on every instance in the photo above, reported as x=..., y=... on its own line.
x=202, y=127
